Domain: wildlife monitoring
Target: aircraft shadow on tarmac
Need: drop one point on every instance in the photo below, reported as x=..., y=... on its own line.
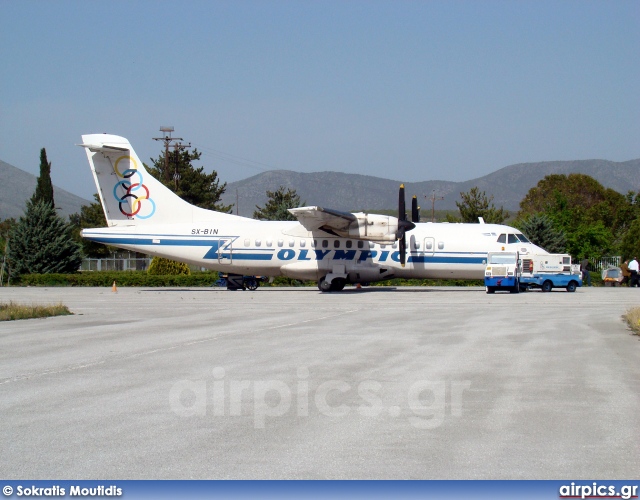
x=350, y=291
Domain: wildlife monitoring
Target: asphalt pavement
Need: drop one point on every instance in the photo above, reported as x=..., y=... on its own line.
x=290, y=383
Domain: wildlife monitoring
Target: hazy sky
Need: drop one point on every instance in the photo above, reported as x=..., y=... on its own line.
x=407, y=90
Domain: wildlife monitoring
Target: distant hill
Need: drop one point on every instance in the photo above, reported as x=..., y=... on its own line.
x=354, y=192
x=17, y=187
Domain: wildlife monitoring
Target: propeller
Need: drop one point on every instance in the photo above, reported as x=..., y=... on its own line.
x=415, y=209
x=403, y=226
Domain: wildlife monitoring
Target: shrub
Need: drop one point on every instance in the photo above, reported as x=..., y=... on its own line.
x=164, y=267
x=122, y=278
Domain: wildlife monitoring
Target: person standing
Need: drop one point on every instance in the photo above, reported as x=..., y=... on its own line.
x=633, y=269
x=586, y=277
x=625, y=272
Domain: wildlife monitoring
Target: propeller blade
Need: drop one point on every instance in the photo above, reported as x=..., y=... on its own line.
x=403, y=224
x=402, y=209
x=415, y=210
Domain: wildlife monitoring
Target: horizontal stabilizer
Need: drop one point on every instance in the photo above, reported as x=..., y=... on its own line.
x=94, y=148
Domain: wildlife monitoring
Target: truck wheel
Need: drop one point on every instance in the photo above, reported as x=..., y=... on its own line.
x=571, y=287
x=491, y=289
x=547, y=286
x=252, y=284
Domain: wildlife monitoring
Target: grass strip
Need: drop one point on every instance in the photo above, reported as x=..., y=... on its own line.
x=13, y=311
x=632, y=317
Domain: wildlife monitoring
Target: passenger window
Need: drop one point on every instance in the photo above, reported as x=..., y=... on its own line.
x=502, y=238
x=440, y=245
x=512, y=238
x=325, y=243
x=416, y=245
x=394, y=246
x=429, y=245
x=303, y=243
x=360, y=244
x=269, y=243
x=280, y=243
x=336, y=243
x=349, y=244
x=258, y=243
x=372, y=245
x=247, y=242
x=292, y=243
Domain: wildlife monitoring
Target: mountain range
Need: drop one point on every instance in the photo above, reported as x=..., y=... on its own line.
x=17, y=187
x=353, y=192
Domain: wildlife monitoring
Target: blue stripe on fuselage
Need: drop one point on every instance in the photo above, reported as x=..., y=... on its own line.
x=268, y=254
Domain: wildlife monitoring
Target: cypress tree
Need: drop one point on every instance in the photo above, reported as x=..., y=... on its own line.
x=542, y=231
x=44, y=188
x=42, y=242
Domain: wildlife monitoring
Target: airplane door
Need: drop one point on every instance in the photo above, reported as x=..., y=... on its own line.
x=429, y=246
x=225, y=251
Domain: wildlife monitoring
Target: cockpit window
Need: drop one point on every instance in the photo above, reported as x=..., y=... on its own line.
x=502, y=238
x=522, y=238
x=512, y=238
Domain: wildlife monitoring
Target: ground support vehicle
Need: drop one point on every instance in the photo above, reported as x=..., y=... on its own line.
x=612, y=276
x=549, y=271
x=502, y=272
x=548, y=281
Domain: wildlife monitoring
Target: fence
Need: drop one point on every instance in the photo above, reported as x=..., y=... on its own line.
x=116, y=264
x=604, y=263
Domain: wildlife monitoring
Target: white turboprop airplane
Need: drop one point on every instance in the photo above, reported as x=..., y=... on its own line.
x=329, y=246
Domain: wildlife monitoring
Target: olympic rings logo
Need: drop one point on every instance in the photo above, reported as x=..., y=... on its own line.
x=135, y=192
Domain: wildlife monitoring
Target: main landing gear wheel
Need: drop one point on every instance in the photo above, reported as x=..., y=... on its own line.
x=324, y=285
x=252, y=284
x=331, y=286
x=337, y=285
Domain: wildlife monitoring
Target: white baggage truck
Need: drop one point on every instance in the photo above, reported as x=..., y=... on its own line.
x=508, y=271
x=548, y=271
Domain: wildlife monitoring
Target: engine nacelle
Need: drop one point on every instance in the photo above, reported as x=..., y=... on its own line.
x=374, y=227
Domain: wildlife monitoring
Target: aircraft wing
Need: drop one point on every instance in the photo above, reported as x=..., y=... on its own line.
x=327, y=219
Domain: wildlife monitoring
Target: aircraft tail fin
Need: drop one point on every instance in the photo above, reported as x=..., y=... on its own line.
x=128, y=193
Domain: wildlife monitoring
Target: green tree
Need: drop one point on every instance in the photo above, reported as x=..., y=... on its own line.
x=278, y=204
x=595, y=219
x=5, y=229
x=630, y=245
x=475, y=204
x=42, y=242
x=189, y=183
x=44, y=187
x=162, y=267
x=91, y=216
x=541, y=230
